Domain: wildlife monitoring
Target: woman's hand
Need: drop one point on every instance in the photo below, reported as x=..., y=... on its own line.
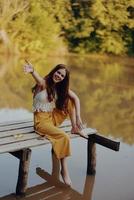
x=75, y=129
x=28, y=67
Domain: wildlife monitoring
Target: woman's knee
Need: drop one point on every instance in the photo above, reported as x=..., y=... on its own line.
x=66, y=136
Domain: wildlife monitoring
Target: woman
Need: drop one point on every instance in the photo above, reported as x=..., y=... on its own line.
x=53, y=101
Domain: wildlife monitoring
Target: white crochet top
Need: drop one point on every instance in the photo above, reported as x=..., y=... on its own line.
x=41, y=103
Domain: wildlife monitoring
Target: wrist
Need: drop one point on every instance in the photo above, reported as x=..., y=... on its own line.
x=32, y=71
x=73, y=125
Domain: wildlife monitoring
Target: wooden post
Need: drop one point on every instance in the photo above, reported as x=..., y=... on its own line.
x=88, y=188
x=91, y=150
x=91, y=157
x=25, y=156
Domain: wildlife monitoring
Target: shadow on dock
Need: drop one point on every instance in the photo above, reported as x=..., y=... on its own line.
x=53, y=188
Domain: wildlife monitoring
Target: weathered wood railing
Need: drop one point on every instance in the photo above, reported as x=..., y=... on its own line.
x=18, y=137
x=94, y=139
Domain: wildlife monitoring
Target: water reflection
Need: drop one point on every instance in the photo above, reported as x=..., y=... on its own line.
x=53, y=188
x=106, y=89
x=104, y=85
x=7, y=114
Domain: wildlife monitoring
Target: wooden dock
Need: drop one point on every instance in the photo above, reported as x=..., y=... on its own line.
x=18, y=137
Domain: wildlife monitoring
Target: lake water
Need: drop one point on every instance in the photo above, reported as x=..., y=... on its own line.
x=105, y=86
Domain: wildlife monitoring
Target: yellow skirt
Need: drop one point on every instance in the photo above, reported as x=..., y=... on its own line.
x=45, y=123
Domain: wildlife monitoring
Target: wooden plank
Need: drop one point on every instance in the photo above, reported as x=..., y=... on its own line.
x=15, y=122
x=15, y=127
x=26, y=136
x=29, y=136
x=39, y=188
x=30, y=192
x=27, y=144
x=14, y=132
x=6, y=127
x=31, y=130
x=46, y=194
x=66, y=121
x=21, y=145
x=30, y=122
x=25, y=130
x=29, y=125
x=17, y=138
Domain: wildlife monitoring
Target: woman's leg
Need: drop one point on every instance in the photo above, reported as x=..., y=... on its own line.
x=59, y=139
x=58, y=117
x=65, y=172
x=64, y=169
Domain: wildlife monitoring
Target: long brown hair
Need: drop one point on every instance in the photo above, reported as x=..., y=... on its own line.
x=60, y=89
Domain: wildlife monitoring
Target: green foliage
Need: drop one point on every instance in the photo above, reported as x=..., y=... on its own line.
x=112, y=19
x=100, y=25
x=29, y=27
x=40, y=25
x=83, y=26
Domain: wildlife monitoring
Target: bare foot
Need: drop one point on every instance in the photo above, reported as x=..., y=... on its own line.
x=81, y=134
x=66, y=178
x=78, y=131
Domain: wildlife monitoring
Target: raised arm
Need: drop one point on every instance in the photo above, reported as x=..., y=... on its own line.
x=28, y=68
x=76, y=101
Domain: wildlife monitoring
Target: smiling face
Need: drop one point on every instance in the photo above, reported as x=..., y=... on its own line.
x=59, y=75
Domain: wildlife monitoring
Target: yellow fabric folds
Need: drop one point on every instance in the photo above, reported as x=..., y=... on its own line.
x=45, y=123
